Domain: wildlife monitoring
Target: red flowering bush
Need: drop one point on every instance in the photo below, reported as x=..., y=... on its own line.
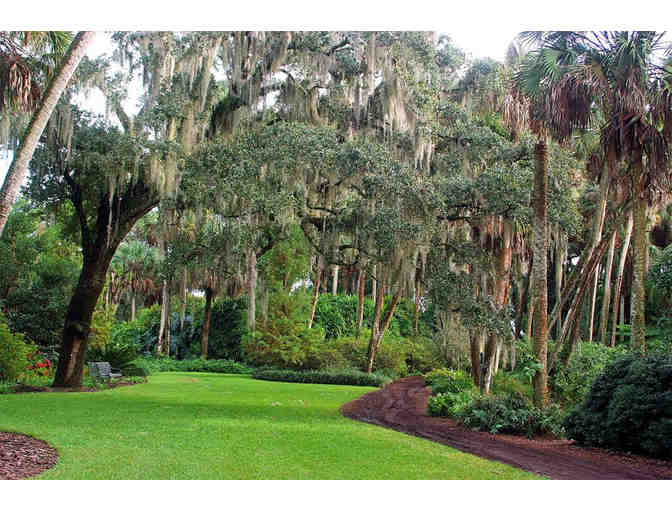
x=38, y=366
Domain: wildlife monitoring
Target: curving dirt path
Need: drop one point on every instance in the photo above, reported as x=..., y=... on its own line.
x=402, y=406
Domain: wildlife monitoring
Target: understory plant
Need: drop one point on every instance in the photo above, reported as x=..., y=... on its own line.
x=628, y=407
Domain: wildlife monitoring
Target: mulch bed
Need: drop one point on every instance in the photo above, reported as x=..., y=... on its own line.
x=24, y=388
x=402, y=405
x=24, y=456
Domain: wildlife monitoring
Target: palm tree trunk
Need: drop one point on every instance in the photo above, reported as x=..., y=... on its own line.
x=133, y=306
x=606, y=297
x=540, y=340
x=17, y=171
x=638, y=299
x=560, y=257
x=597, y=235
x=619, y=278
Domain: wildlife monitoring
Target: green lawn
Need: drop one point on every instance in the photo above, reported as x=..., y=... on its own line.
x=213, y=426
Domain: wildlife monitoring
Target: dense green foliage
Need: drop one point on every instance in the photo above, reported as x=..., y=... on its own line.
x=219, y=366
x=511, y=414
x=348, y=377
x=445, y=380
x=14, y=352
x=571, y=383
x=628, y=407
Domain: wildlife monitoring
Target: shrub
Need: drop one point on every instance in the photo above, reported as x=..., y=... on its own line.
x=283, y=339
x=570, y=384
x=221, y=366
x=14, y=353
x=347, y=377
x=446, y=380
x=628, y=407
x=517, y=383
x=511, y=414
x=117, y=353
x=451, y=405
x=135, y=370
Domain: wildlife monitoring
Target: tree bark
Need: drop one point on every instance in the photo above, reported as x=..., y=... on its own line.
x=597, y=235
x=206, y=322
x=638, y=299
x=133, y=306
x=387, y=318
x=183, y=300
x=501, y=292
x=560, y=258
x=97, y=253
x=575, y=310
x=316, y=291
x=540, y=340
x=75, y=341
x=475, y=357
x=619, y=278
x=416, y=306
x=606, y=295
x=334, y=281
x=360, y=300
x=380, y=294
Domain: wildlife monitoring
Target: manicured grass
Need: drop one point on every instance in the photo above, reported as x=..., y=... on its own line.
x=215, y=426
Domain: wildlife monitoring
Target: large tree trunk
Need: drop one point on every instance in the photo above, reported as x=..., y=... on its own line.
x=606, y=295
x=17, y=171
x=206, y=322
x=75, y=341
x=540, y=345
x=132, y=306
x=97, y=249
x=619, y=278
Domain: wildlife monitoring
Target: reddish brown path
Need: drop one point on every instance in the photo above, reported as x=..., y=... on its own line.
x=402, y=405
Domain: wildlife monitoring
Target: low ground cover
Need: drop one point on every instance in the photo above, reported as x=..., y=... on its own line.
x=215, y=426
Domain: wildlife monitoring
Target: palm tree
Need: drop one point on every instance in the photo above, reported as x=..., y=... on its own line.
x=19, y=167
x=621, y=74
x=135, y=264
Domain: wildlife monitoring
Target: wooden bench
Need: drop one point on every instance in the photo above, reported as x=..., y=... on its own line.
x=103, y=370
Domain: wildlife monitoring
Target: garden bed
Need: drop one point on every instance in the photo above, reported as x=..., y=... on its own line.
x=24, y=456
